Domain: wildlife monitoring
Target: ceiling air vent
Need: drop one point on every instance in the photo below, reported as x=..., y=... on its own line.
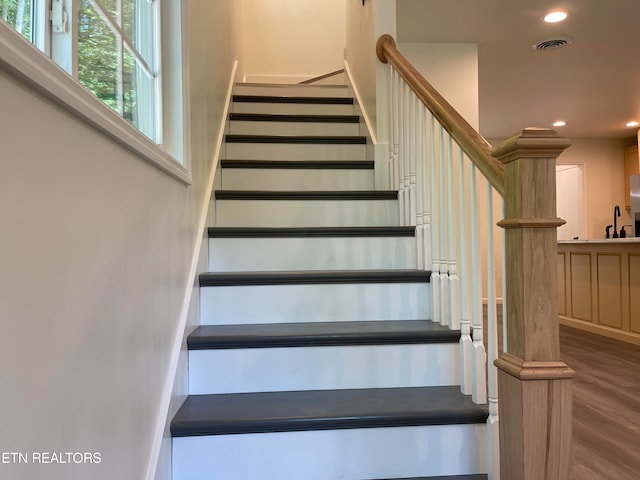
x=553, y=43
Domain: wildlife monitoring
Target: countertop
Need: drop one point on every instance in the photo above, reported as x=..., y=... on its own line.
x=601, y=240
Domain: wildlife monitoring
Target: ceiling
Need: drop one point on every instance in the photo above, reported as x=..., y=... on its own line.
x=593, y=84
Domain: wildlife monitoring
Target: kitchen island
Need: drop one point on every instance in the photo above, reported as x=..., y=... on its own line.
x=599, y=287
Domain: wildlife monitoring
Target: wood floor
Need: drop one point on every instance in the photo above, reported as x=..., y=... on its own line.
x=606, y=399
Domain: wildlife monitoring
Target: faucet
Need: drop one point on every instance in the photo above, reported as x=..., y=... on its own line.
x=616, y=214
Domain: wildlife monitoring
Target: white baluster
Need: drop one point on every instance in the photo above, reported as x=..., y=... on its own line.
x=443, y=266
x=392, y=127
x=413, y=160
x=435, y=235
x=466, y=344
x=401, y=151
x=479, y=394
x=454, y=281
x=420, y=185
x=413, y=172
x=407, y=158
x=492, y=347
x=426, y=188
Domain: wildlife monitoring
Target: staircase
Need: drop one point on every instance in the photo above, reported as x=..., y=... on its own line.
x=315, y=358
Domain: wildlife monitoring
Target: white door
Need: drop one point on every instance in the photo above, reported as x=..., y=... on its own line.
x=570, y=201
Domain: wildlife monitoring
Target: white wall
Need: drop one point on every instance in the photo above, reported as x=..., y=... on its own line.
x=602, y=162
x=368, y=76
x=452, y=69
x=290, y=40
x=95, y=250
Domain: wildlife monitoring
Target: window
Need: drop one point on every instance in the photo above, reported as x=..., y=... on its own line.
x=18, y=14
x=110, y=46
x=116, y=58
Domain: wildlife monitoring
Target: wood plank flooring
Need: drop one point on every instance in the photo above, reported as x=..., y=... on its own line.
x=606, y=404
x=606, y=400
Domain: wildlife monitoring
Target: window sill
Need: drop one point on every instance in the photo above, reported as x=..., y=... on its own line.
x=25, y=61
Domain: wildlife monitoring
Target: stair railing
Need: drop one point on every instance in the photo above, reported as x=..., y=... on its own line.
x=448, y=178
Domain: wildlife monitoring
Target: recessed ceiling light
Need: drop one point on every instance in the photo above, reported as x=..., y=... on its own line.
x=559, y=123
x=633, y=124
x=555, y=17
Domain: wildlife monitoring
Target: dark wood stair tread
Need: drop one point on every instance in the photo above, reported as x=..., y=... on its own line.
x=297, y=232
x=313, y=277
x=306, y=195
x=298, y=139
x=300, y=164
x=320, y=334
x=271, y=117
x=293, y=99
x=264, y=412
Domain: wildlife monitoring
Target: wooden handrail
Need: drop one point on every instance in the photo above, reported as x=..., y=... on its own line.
x=534, y=384
x=472, y=143
x=321, y=77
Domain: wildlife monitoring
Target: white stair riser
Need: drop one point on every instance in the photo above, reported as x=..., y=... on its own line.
x=283, y=90
x=311, y=253
x=306, y=213
x=295, y=179
x=334, y=454
x=292, y=108
x=240, y=127
x=314, y=303
x=322, y=368
x=294, y=151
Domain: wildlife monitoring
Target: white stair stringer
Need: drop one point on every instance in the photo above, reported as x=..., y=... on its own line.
x=365, y=453
x=226, y=305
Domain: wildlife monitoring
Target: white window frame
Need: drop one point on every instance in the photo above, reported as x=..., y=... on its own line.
x=26, y=61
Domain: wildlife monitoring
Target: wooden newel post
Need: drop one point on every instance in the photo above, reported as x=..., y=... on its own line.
x=534, y=384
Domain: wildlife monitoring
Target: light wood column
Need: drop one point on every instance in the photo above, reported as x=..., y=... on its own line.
x=534, y=384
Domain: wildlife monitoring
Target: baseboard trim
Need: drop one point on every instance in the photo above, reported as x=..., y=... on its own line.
x=620, y=335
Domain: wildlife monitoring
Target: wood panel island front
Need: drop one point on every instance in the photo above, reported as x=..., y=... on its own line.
x=599, y=287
